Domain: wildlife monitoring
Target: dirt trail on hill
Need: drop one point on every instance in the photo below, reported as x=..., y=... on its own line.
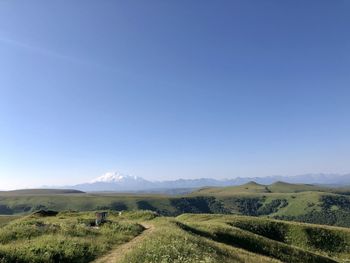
x=117, y=253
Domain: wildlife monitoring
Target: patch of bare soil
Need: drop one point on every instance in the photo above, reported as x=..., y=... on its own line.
x=116, y=254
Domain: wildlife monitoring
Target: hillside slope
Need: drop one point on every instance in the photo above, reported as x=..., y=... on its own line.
x=305, y=203
x=40, y=192
x=72, y=237
x=253, y=187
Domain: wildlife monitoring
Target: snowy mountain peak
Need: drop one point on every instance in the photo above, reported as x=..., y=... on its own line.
x=117, y=182
x=114, y=177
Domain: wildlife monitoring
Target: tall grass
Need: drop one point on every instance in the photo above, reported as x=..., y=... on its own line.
x=287, y=241
x=172, y=244
x=4, y=220
x=67, y=237
x=71, y=237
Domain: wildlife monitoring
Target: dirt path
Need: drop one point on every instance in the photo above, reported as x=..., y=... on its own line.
x=117, y=253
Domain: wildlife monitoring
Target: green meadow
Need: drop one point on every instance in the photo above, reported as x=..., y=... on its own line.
x=72, y=237
x=303, y=203
x=247, y=223
x=66, y=237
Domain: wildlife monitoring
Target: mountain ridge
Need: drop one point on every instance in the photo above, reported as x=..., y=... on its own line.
x=116, y=182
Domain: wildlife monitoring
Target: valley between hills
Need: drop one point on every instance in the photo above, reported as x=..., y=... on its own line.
x=280, y=222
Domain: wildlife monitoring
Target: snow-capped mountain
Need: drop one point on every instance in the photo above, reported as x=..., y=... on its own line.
x=115, y=177
x=117, y=182
x=114, y=181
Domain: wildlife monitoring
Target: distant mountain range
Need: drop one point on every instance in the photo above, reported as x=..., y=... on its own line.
x=116, y=182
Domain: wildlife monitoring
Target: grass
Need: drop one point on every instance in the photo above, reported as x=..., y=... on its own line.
x=40, y=192
x=67, y=237
x=331, y=242
x=22, y=204
x=70, y=237
x=286, y=241
x=4, y=220
x=228, y=238
x=298, y=204
x=170, y=243
x=305, y=203
x=250, y=187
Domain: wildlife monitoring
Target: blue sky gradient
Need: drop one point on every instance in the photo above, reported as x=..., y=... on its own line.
x=169, y=89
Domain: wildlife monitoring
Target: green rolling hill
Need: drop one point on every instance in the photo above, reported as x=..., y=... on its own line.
x=277, y=187
x=297, y=202
x=40, y=192
x=144, y=236
x=280, y=200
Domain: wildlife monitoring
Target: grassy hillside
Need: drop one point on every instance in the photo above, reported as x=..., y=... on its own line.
x=286, y=241
x=299, y=202
x=71, y=237
x=66, y=237
x=305, y=203
x=251, y=187
x=84, y=202
x=277, y=187
x=172, y=242
x=4, y=220
x=39, y=192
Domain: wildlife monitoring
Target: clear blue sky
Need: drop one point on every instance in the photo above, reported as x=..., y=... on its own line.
x=168, y=89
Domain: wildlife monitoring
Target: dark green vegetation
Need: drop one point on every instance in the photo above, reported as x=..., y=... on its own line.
x=66, y=237
x=296, y=202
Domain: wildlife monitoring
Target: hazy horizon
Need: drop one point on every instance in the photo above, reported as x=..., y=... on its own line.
x=91, y=180
x=163, y=90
